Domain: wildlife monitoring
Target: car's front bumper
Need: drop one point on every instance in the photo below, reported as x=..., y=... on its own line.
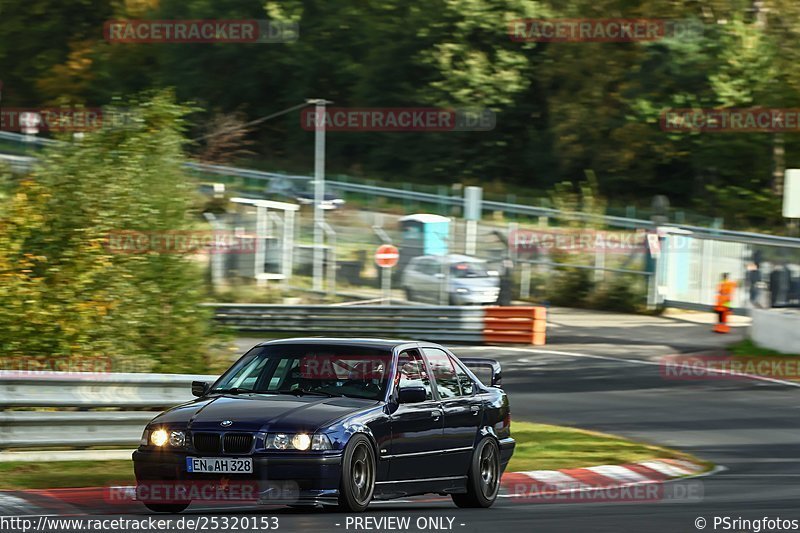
x=472, y=298
x=279, y=478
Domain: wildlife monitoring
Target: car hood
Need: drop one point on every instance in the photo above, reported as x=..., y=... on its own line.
x=263, y=412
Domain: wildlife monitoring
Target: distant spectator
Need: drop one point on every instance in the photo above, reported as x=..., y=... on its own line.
x=778, y=285
x=794, y=285
x=753, y=279
x=506, y=283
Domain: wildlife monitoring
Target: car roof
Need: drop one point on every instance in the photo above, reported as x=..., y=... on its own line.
x=340, y=341
x=453, y=258
x=424, y=217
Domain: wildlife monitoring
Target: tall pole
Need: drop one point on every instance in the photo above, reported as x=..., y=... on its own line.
x=319, y=191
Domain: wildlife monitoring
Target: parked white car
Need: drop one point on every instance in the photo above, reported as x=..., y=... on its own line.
x=468, y=280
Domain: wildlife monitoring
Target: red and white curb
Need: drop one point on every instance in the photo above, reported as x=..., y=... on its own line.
x=643, y=481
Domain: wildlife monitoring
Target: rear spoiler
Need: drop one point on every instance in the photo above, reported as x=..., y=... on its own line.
x=480, y=362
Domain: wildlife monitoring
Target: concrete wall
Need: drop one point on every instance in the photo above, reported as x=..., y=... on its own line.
x=776, y=329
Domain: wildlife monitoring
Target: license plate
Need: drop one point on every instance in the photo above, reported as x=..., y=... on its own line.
x=219, y=465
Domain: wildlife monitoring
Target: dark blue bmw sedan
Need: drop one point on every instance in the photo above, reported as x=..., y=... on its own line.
x=323, y=421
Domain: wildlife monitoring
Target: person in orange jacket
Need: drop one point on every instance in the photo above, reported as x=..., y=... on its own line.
x=723, y=307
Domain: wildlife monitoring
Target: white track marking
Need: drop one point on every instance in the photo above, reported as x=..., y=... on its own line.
x=627, y=361
x=619, y=473
x=665, y=468
x=555, y=479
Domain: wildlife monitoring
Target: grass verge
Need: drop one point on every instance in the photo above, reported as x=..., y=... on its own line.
x=59, y=474
x=747, y=348
x=546, y=447
x=539, y=447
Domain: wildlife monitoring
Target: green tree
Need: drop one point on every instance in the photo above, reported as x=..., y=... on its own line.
x=66, y=290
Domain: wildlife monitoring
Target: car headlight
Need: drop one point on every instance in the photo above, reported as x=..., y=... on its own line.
x=462, y=290
x=161, y=437
x=177, y=439
x=301, y=441
x=297, y=441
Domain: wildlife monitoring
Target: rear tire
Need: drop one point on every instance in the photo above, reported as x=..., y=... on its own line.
x=357, y=484
x=172, y=508
x=483, y=477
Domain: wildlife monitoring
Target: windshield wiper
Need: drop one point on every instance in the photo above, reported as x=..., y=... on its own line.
x=301, y=392
x=232, y=390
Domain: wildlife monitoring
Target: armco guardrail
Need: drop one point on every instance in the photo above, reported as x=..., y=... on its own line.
x=93, y=390
x=47, y=429
x=522, y=325
x=433, y=323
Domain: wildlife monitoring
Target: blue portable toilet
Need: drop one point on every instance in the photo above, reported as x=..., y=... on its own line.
x=423, y=234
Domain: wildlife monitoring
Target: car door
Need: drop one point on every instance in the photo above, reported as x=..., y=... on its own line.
x=424, y=280
x=416, y=428
x=416, y=278
x=462, y=409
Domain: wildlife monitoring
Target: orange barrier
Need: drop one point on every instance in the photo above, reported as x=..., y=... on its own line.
x=520, y=325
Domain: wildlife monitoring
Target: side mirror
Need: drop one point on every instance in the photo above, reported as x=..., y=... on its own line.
x=412, y=394
x=200, y=388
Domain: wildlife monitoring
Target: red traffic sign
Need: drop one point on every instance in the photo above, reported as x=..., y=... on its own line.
x=386, y=256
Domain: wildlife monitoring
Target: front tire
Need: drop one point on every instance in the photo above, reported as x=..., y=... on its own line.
x=357, y=483
x=483, y=478
x=172, y=508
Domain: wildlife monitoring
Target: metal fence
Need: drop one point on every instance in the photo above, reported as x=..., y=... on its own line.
x=34, y=414
x=433, y=323
x=686, y=276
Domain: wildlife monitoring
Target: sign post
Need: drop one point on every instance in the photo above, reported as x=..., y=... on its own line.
x=386, y=256
x=791, y=196
x=473, y=198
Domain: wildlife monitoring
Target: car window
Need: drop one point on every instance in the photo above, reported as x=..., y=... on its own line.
x=468, y=269
x=467, y=386
x=422, y=266
x=411, y=371
x=336, y=370
x=247, y=375
x=444, y=373
x=431, y=267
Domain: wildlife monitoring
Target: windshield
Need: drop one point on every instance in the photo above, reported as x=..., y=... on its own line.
x=353, y=372
x=468, y=269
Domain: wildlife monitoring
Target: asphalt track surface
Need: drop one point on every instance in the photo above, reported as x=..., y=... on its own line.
x=749, y=427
